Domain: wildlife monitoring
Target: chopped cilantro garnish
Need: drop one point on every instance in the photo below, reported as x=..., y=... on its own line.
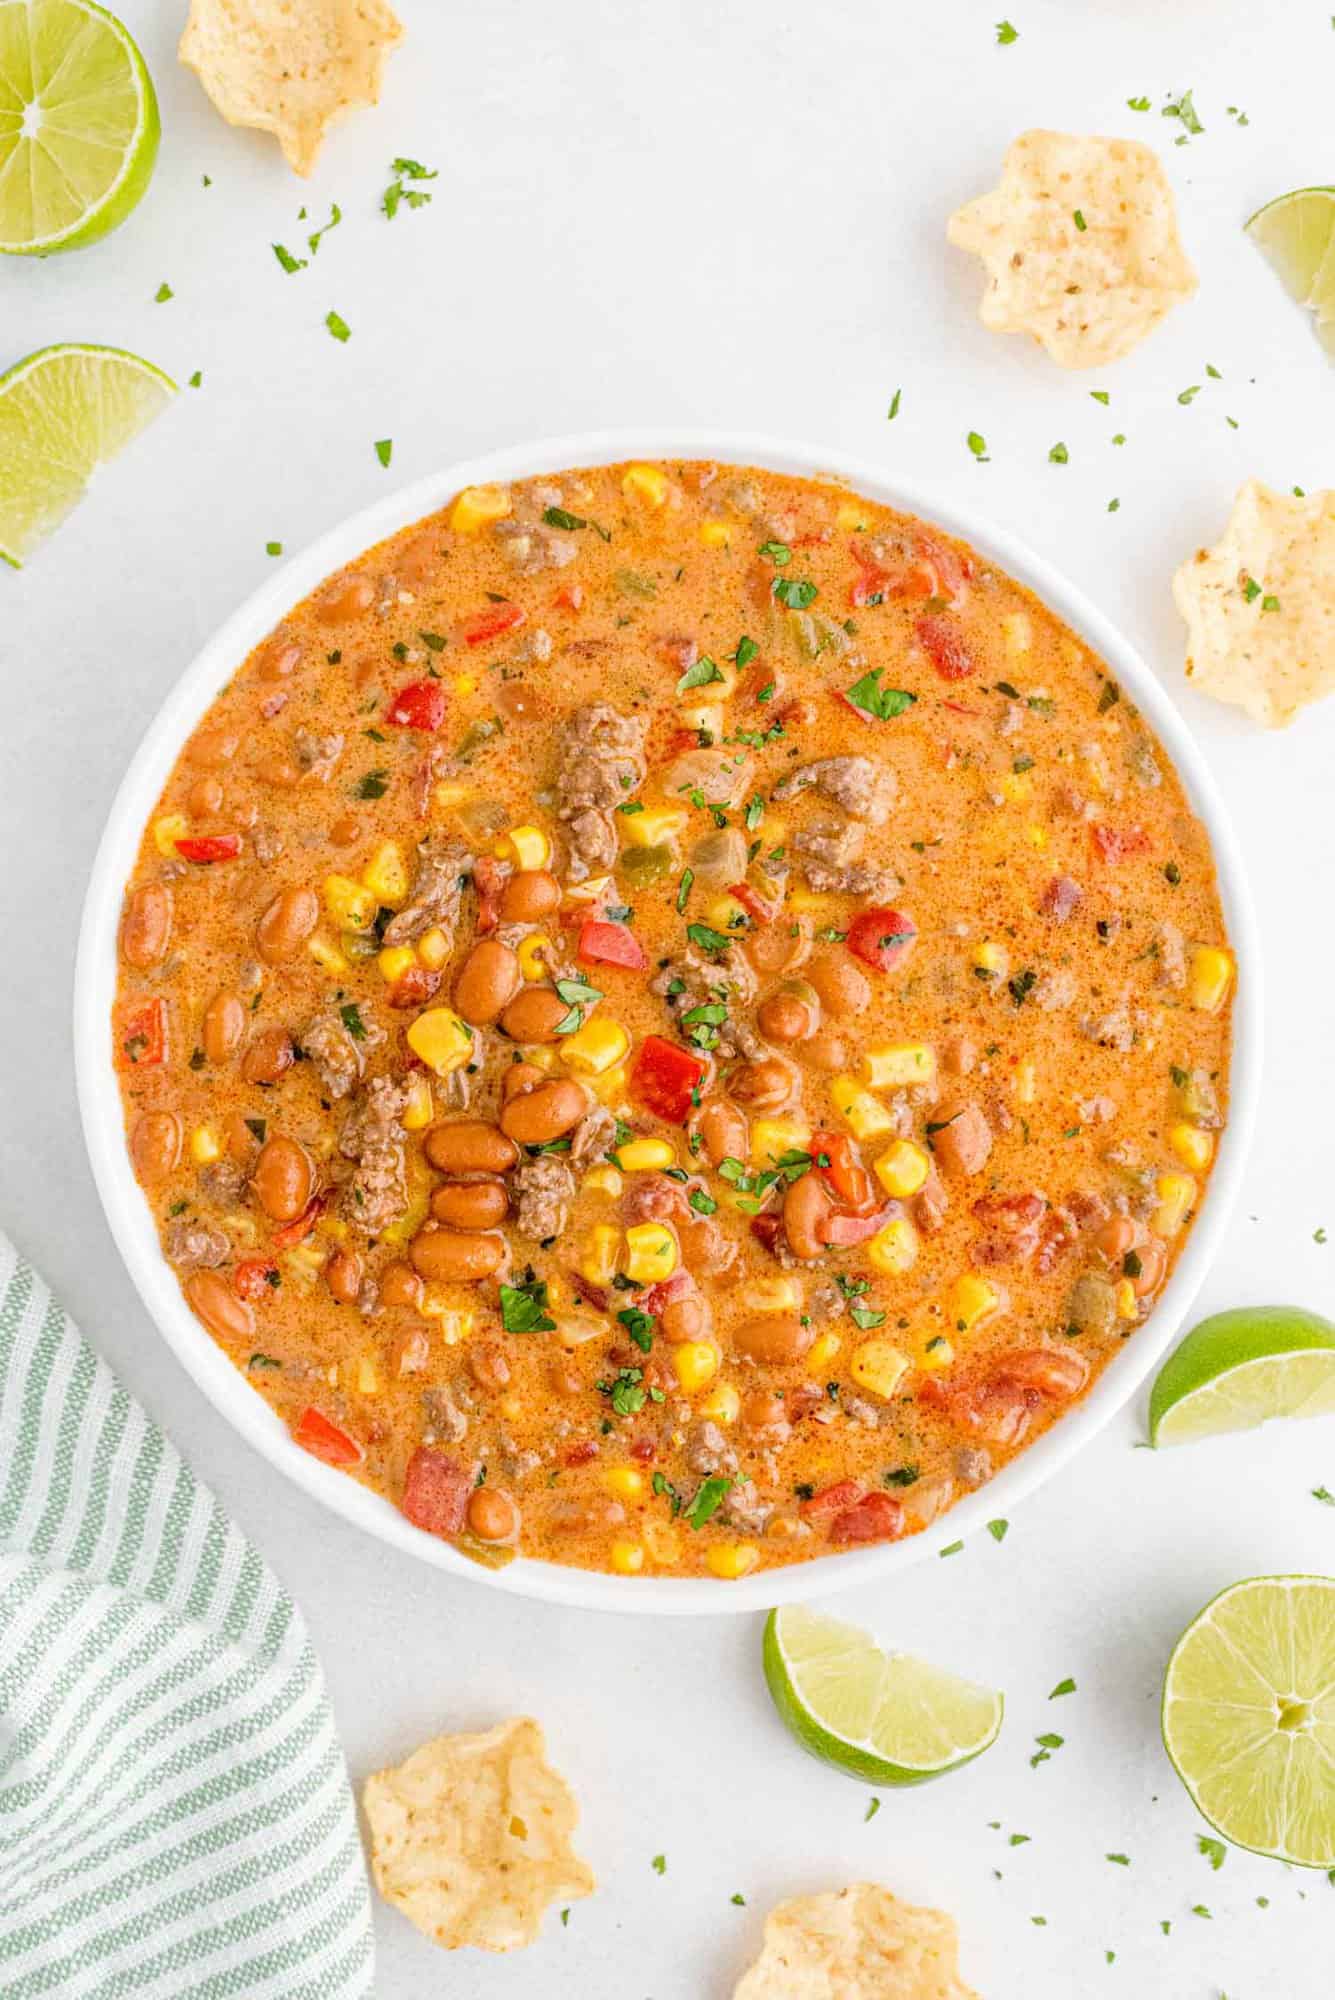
x=384, y=450
x=338, y=326
x=397, y=192
x=977, y=444
x=162, y=294
x=524, y=1308
x=351, y=1017
x=708, y=1499
x=701, y=674
x=1006, y=33
x=795, y=594
x=881, y=703
x=1059, y=455
x=1066, y=1686
x=1213, y=1850
x=998, y=1530
x=287, y=260
x=893, y=410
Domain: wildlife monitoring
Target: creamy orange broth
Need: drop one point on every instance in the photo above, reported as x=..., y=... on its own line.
x=672, y=1018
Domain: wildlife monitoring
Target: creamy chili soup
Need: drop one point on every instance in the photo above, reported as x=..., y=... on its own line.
x=672, y=1018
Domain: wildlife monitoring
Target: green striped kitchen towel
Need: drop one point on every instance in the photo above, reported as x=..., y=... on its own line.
x=175, y=1817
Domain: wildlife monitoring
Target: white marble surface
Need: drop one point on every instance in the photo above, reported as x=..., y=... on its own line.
x=727, y=214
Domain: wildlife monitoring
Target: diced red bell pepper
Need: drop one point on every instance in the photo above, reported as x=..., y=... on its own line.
x=570, y=597
x=678, y=1286
x=664, y=1077
x=882, y=938
x=603, y=943
x=755, y=906
x=419, y=705
x=205, y=847
x=581, y=1454
x=491, y=624
x=251, y=1278
x=845, y=1173
x=945, y=647
x=1117, y=843
x=319, y=1435
x=301, y=1226
x=436, y=1487
x=831, y=1501
x=878, y=1518
x=144, y=1036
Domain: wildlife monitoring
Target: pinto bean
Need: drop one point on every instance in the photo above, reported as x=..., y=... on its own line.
x=492, y=1514
x=347, y=597
x=827, y=1050
x=765, y=1411
x=520, y=1076
x=470, y=1204
x=790, y=1014
x=962, y=1139
x=283, y=1178
x=843, y=987
x=204, y=798
x=400, y=1286
x=545, y=1113
x=155, y=1144
x=343, y=1275
x=806, y=1210
x=225, y=1315
x=1117, y=1235
x=286, y=924
x=488, y=1366
x=268, y=1057
x=685, y=1318
x=280, y=772
x=278, y=659
x=533, y=1014
x=445, y=1254
x=146, y=927
x=775, y=1338
x=1053, y=1372
x=488, y=980
x=1153, y=1260
x=223, y=1027
x=529, y=896
x=763, y=1085
x=723, y=1130
x=470, y=1146
x=213, y=748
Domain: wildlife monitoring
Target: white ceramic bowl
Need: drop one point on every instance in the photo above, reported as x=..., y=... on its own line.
x=128, y=1213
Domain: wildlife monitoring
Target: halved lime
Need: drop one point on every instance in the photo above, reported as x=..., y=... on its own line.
x=1238, y=1368
x=78, y=125
x=64, y=412
x=1249, y=1716
x=884, y=1717
x=1296, y=232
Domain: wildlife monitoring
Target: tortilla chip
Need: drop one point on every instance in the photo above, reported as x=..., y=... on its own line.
x=470, y=1837
x=859, y=1943
x=1091, y=288
x=1260, y=605
x=290, y=67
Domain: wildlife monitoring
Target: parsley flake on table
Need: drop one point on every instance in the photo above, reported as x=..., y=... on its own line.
x=1324, y=1495
x=273, y=548
x=1137, y=103
x=873, y=1808
x=1063, y=1687
x=893, y=410
x=287, y=260
x=1214, y=1851
x=1059, y=455
x=196, y=380
x=998, y=1530
x=399, y=193
x=163, y=293
x=314, y=240
x=659, y=1864
x=951, y=1549
x=1184, y=111
x=1122, y=1860
x=338, y=326
x=1006, y=33
x=384, y=450
x=977, y=444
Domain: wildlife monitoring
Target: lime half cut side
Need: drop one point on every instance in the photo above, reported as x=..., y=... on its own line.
x=64, y=412
x=882, y=1717
x=1236, y=1369
x=78, y=125
x=1249, y=1716
x=1296, y=233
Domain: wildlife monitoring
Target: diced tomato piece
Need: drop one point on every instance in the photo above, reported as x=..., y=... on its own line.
x=678, y=1286
x=1117, y=843
x=845, y=1173
x=301, y=1226
x=878, y=1518
x=436, y=1487
x=581, y=1454
x=644, y=1450
x=603, y=943
x=319, y=1435
x=682, y=740
x=205, y=847
x=490, y=624
x=251, y=1278
x=664, y=1077
x=570, y=597
x=831, y=1501
x=841, y=1231
x=414, y=987
x=954, y=567
x=755, y=906
x=144, y=1036
x=909, y=579
x=944, y=646
x=419, y=705
x=882, y=938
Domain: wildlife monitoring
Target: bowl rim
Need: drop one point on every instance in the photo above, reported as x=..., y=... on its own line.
x=99, y=1094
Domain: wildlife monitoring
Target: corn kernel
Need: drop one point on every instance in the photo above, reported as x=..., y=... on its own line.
x=772, y=1137
x=448, y=794
x=894, y=1248
x=851, y=518
x=902, y=1168
x=464, y=684
x=1037, y=836
x=878, y=1366
x=645, y=1156
x=626, y=1558
x=1016, y=787
x=441, y=1040
x=647, y=483
x=386, y=874
x=419, y=1111
x=596, y=1046
x=205, y=1146
x=732, y=1559
x=991, y=958
x=610, y=1087
x=1177, y=1197
x=715, y=534
x=972, y=1300
x=937, y=1353
x=1127, y=1307
x=1211, y=978
x=1017, y=634
x=655, y=827
x=394, y=961
x=326, y=955
x=541, y=1056
x=602, y=1247
x=1026, y=1082
x=725, y=913
x=530, y=951
x=822, y=1352
x=603, y=1180
x=597, y=889
x=626, y=1481
x=433, y=949
x=478, y=506
x=806, y=902
x=651, y=1252
x=1193, y=1146
x=722, y=1405
x=368, y=1377
x=349, y=903
x=859, y=1109
x=695, y=1363
x=770, y=1295
x=167, y=830
x=528, y=847
x=895, y=1064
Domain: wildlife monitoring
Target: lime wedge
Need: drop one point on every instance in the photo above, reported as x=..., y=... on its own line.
x=78, y=125
x=884, y=1717
x=1296, y=232
x=1249, y=1716
x=1238, y=1368
x=64, y=412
